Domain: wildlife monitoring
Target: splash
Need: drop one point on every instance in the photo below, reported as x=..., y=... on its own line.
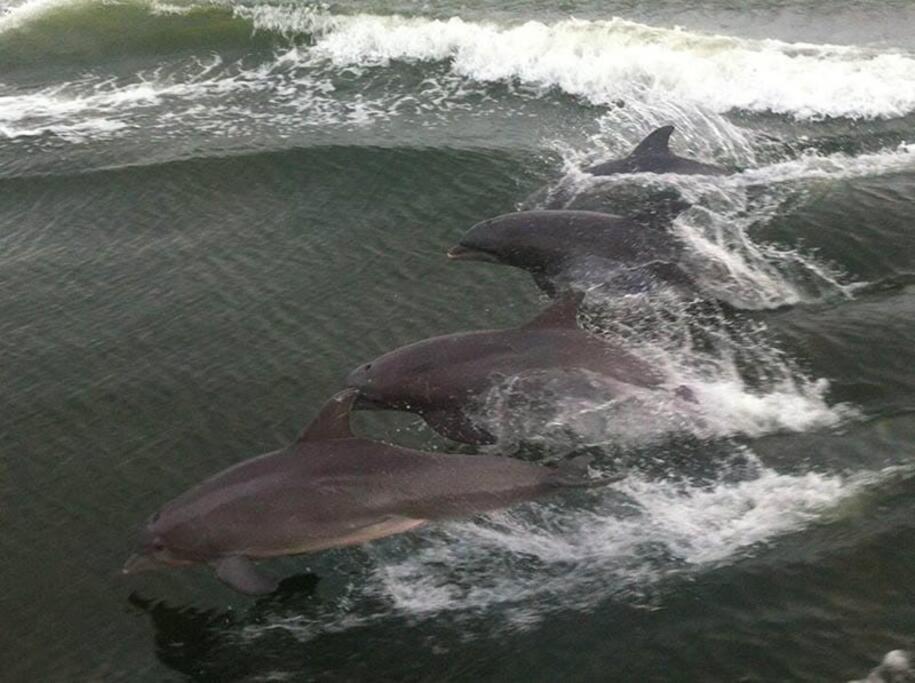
x=625, y=544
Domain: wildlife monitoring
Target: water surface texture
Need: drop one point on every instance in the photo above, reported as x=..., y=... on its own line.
x=211, y=212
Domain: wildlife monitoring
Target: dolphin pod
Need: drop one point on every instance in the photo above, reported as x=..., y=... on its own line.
x=327, y=490
x=331, y=488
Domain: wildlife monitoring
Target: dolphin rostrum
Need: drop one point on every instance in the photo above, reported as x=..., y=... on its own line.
x=562, y=248
x=331, y=489
x=653, y=155
x=443, y=378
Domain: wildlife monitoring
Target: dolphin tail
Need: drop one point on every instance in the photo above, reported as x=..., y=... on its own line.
x=574, y=474
x=656, y=143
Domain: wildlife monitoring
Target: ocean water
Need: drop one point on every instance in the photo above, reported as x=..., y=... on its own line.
x=211, y=211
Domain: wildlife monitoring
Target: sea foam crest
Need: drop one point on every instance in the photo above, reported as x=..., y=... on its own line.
x=601, y=61
x=616, y=60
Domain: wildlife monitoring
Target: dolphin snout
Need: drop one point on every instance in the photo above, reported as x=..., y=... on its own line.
x=461, y=252
x=139, y=563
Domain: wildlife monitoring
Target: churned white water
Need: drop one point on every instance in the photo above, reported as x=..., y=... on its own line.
x=625, y=543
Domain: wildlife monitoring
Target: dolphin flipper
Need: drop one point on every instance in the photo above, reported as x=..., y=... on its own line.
x=454, y=425
x=239, y=573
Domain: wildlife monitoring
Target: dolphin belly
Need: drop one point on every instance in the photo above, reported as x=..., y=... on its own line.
x=387, y=526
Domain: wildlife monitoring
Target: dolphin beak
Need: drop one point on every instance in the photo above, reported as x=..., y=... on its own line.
x=461, y=253
x=139, y=563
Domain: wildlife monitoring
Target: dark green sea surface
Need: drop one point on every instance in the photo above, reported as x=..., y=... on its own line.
x=210, y=213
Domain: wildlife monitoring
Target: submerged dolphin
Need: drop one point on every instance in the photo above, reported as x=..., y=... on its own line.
x=441, y=378
x=331, y=489
x=562, y=247
x=653, y=155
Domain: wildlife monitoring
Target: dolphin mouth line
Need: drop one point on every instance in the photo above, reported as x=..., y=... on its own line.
x=366, y=402
x=460, y=252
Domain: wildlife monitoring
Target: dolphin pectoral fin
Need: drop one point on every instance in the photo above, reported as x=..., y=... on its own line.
x=656, y=143
x=239, y=573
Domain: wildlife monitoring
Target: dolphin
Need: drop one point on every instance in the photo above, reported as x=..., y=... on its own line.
x=653, y=155
x=327, y=490
x=560, y=248
x=441, y=379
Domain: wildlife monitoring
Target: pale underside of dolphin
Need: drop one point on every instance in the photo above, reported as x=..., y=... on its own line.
x=443, y=378
x=653, y=155
x=331, y=489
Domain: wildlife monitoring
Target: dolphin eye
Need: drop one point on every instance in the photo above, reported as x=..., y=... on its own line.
x=368, y=366
x=158, y=546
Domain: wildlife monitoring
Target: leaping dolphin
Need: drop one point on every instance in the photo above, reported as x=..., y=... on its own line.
x=441, y=379
x=331, y=489
x=562, y=248
x=653, y=155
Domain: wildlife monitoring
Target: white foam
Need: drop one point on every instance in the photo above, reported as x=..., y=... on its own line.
x=19, y=15
x=576, y=557
x=107, y=105
x=730, y=408
x=756, y=275
x=93, y=128
x=607, y=61
x=169, y=9
x=814, y=166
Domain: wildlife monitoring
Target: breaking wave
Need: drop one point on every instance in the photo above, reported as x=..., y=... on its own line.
x=605, y=62
x=611, y=62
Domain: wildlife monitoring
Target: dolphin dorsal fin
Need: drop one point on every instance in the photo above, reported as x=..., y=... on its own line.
x=657, y=142
x=333, y=420
x=563, y=312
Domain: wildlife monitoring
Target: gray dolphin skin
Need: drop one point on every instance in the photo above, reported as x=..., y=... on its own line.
x=653, y=155
x=331, y=489
x=559, y=246
x=440, y=378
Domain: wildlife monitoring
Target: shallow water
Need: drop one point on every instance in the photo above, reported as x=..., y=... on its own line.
x=211, y=212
